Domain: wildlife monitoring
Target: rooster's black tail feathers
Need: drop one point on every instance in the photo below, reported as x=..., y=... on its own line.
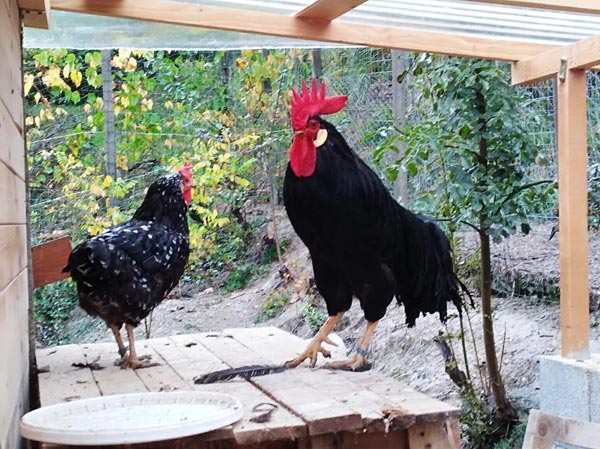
x=243, y=372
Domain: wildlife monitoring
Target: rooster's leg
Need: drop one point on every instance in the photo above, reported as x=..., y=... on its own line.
x=134, y=362
x=359, y=361
x=122, y=348
x=314, y=347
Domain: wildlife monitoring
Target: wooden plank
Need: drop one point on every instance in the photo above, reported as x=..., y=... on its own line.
x=112, y=379
x=59, y=380
x=12, y=197
x=352, y=440
x=13, y=247
x=580, y=55
x=581, y=6
x=544, y=430
x=14, y=350
x=190, y=359
x=163, y=376
x=12, y=150
x=572, y=205
x=248, y=21
x=48, y=260
x=438, y=435
x=328, y=9
x=321, y=410
x=11, y=83
x=383, y=403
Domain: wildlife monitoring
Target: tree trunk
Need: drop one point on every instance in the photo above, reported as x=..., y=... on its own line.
x=502, y=405
x=496, y=383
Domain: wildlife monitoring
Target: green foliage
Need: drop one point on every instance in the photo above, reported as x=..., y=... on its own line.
x=240, y=276
x=314, y=316
x=273, y=305
x=54, y=304
x=471, y=137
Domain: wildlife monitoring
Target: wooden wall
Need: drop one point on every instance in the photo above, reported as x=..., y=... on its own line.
x=14, y=273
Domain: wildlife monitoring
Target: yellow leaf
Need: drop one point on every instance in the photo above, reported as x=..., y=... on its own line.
x=27, y=83
x=168, y=104
x=125, y=101
x=124, y=53
x=76, y=77
x=107, y=181
x=66, y=70
x=87, y=108
x=97, y=190
x=37, y=122
x=29, y=121
x=37, y=97
x=130, y=65
x=99, y=103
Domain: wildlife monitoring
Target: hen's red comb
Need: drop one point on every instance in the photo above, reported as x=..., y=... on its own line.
x=313, y=102
x=186, y=171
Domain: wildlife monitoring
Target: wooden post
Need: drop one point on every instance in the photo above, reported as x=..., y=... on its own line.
x=400, y=99
x=572, y=203
x=317, y=63
x=109, y=116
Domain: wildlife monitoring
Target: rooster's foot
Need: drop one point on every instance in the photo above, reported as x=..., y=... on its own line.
x=356, y=363
x=312, y=352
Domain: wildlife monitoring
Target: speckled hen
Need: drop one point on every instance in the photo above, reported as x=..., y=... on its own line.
x=126, y=271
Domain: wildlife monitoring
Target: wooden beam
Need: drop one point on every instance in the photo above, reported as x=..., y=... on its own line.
x=582, y=6
x=247, y=21
x=572, y=217
x=584, y=54
x=36, y=13
x=328, y=9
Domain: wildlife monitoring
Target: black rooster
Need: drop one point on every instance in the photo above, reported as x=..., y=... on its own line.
x=361, y=241
x=126, y=271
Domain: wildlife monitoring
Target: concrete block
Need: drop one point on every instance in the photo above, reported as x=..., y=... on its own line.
x=570, y=388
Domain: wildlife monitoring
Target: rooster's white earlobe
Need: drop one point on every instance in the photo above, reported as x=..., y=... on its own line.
x=321, y=137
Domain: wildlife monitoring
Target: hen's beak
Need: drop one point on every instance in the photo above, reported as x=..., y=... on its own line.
x=298, y=133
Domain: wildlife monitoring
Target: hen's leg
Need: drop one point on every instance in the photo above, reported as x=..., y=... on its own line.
x=122, y=348
x=359, y=361
x=134, y=362
x=314, y=347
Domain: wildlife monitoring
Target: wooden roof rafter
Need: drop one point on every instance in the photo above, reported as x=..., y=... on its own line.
x=328, y=9
x=349, y=33
x=584, y=54
x=36, y=13
x=581, y=6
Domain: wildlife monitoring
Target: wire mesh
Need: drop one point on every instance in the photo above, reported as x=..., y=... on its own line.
x=364, y=74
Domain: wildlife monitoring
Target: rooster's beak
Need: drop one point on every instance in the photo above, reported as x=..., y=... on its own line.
x=298, y=133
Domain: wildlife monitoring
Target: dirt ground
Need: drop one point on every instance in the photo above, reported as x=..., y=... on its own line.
x=526, y=327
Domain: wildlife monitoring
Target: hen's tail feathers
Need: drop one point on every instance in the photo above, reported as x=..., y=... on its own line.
x=243, y=372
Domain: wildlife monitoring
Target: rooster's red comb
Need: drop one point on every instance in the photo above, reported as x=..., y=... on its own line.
x=313, y=102
x=186, y=171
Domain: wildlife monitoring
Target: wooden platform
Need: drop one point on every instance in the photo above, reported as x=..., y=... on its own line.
x=317, y=408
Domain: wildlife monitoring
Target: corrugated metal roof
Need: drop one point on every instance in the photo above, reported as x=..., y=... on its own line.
x=463, y=17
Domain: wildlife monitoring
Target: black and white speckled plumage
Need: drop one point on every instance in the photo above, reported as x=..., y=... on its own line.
x=126, y=271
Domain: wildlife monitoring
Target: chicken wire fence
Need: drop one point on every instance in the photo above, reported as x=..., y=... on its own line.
x=366, y=76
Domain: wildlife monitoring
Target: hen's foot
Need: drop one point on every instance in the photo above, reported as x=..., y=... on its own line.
x=356, y=363
x=312, y=352
x=141, y=362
